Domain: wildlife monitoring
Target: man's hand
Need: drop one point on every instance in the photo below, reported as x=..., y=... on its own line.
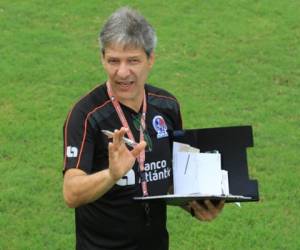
x=80, y=188
x=121, y=160
x=207, y=210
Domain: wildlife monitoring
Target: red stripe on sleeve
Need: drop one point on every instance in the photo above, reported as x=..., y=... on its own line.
x=170, y=98
x=163, y=96
x=85, y=128
x=66, y=126
x=67, y=122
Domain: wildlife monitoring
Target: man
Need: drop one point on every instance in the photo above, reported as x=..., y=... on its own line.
x=101, y=176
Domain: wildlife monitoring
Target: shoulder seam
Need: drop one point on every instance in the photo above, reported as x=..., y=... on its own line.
x=83, y=96
x=84, y=133
x=163, y=96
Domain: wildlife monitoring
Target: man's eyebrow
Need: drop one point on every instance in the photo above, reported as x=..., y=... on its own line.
x=113, y=57
x=118, y=58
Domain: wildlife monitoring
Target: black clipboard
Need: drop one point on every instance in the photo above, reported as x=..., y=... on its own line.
x=180, y=200
x=232, y=144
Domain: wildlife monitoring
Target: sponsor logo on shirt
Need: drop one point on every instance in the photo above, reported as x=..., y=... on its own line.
x=72, y=152
x=160, y=126
x=157, y=170
x=154, y=171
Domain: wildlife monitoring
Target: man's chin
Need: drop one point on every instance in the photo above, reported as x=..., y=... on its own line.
x=123, y=96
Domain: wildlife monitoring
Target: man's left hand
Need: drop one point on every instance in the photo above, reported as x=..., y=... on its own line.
x=206, y=210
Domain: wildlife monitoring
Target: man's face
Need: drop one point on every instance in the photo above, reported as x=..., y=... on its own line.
x=127, y=70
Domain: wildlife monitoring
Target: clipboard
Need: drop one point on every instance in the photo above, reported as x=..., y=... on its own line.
x=180, y=200
x=232, y=143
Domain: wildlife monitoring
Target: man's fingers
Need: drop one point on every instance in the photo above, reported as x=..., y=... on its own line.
x=210, y=206
x=138, y=148
x=199, y=207
x=111, y=149
x=220, y=205
x=118, y=136
x=116, y=139
x=207, y=210
x=213, y=210
x=200, y=211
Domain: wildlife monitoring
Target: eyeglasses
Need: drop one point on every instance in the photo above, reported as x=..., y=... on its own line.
x=137, y=125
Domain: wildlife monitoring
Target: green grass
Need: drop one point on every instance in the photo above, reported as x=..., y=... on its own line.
x=229, y=63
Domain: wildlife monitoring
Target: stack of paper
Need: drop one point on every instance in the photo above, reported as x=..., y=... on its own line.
x=195, y=172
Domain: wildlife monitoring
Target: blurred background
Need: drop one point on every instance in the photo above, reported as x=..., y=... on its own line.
x=229, y=63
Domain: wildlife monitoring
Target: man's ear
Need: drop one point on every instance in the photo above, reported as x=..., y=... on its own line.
x=151, y=59
x=102, y=56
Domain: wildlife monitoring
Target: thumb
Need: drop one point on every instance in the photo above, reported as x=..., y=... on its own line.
x=138, y=148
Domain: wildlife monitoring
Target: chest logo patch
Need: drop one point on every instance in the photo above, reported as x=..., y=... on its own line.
x=160, y=126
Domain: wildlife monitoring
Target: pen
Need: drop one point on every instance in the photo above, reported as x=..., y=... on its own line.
x=109, y=134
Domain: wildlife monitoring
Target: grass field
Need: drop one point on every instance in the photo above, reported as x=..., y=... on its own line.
x=229, y=63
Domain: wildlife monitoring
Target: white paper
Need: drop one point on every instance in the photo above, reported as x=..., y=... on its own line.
x=184, y=172
x=182, y=147
x=197, y=172
x=225, y=184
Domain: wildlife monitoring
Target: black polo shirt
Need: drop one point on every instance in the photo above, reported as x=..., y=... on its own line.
x=116, y=221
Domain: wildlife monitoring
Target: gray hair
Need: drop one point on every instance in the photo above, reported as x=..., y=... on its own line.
x=128, y=28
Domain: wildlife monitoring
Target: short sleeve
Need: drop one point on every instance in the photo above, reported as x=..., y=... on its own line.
x=178, y=123
x=78, y=141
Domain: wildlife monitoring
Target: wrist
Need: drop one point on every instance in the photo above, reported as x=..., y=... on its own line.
x=111, y=178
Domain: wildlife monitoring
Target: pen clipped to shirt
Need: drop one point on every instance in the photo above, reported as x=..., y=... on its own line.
x=127, y=141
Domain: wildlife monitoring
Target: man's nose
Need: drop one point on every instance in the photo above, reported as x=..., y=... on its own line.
x=123, y=71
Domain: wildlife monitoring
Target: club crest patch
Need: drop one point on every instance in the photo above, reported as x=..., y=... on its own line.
x=160, y=126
